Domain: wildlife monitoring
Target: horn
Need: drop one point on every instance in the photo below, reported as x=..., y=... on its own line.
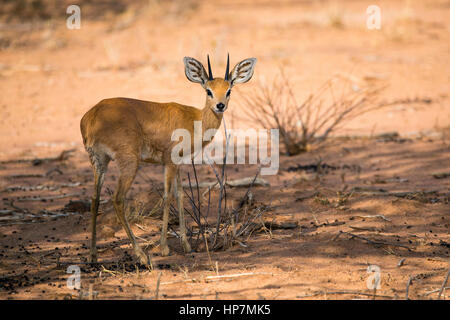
x=227, y=71
x=210, y=75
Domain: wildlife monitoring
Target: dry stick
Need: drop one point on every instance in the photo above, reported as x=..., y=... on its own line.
x=41, y=187
x=244, y=182
x=247, y=224
x=196, y=215
x=343, y=292
x=336, y=237
x=179, y=281
x=365, y=229
x=38, y=261
x=433, y=291
x=408, y=195
x=52, y=197
x=376, y=216
x=407, y=287
x=222, y=186
x=443, y=285
x=114, y=273
x=244, y=199
x=60, y=157
x=198, y=189
x=173, y=211
x=202, y=184
x=158, y=281
x=91, y=291
x=209, y=255
x=199, y=200
x=227, y=276
x=197, y=208
x=209, y=205
x=209, y=189
x=17, y=208
x=220, y=194
x=375, y=242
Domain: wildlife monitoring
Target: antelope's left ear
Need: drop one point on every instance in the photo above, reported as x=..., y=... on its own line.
x=243, y=71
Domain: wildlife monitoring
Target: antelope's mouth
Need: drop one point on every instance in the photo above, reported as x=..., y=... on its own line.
x=219, y=110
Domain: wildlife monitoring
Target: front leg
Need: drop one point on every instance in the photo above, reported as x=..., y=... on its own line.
x=180, y=195
x=169, y=175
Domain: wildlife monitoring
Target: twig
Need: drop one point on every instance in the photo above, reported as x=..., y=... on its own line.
x=25, y=176
x=407, y=195
x=215, y=278
x=41, y=187
x=207, y=251
x=245, y=198
x=140, y=227
x=344, y=292
x=91, y=291
x=114, y=273
x=51, y=197
x=62, y=156
x=433, y=291
x=443, y=284
x=401, y=262
x=158, y=281
x=365, y=229
x=376, y=216
x=375, y=242
x=244, y=182
x=180, y=281
x=17, y=208
x=407, y=287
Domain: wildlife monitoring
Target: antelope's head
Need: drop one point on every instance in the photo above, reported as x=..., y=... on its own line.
x=218, y=90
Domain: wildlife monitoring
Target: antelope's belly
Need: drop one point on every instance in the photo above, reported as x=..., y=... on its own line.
x=151, y=155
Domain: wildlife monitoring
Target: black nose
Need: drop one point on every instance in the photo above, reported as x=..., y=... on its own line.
x=220, y=106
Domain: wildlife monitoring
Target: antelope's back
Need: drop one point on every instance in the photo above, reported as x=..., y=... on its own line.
x=132, y=124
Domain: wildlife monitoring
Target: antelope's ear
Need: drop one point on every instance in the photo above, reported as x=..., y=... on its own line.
x=195, y=71
x=243, y=71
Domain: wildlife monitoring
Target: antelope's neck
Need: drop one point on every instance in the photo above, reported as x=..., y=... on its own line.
x=210, y=119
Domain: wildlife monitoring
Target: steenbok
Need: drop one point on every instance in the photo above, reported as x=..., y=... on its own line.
x=130, y=131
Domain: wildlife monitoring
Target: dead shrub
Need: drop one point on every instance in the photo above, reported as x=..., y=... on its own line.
x=311, y=121
x=232, y=225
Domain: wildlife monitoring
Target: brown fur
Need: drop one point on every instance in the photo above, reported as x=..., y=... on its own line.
x=130, y=131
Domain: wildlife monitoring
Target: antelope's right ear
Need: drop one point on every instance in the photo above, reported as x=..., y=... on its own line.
x=195, y=71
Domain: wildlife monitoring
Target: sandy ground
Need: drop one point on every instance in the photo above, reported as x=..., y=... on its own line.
x=375, y=203
x=308, y=259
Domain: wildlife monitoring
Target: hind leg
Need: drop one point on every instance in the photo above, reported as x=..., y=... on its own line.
x=128, y=168
x=99, y=165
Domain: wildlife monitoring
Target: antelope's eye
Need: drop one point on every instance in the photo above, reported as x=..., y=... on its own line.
x=209, y=93
x=228, y=93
